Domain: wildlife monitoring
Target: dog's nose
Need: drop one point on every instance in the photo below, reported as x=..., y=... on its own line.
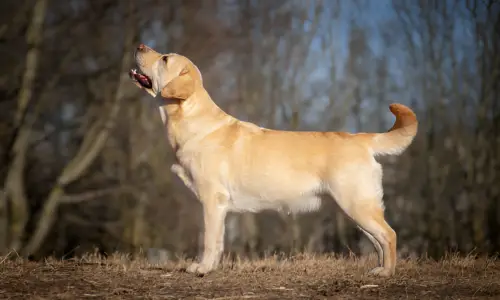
x=141, y=47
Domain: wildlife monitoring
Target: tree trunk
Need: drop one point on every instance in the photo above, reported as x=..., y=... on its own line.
x=89, y=150
x=14, y=182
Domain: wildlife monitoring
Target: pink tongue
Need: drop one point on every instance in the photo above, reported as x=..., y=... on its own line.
x=143, y=80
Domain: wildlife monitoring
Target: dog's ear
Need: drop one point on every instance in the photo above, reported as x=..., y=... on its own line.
x=181, y=87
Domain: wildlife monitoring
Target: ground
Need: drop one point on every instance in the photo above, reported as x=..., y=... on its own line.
x=301, y=277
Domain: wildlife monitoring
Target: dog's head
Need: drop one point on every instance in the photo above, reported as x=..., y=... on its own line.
x=172, y=75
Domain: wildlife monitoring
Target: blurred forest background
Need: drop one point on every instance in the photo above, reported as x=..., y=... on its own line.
x=83, y=159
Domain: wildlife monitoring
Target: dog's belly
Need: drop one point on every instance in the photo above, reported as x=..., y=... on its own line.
x=262, y=187
x=250, y=203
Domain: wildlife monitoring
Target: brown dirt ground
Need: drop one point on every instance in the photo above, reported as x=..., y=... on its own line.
x=300, y=277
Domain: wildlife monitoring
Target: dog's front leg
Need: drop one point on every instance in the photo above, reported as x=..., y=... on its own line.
x=215, y=207
x=179, y=171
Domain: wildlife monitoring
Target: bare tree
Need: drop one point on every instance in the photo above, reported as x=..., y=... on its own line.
x=14, y=190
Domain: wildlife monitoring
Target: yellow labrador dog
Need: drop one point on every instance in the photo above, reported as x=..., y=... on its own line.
x=231, y=165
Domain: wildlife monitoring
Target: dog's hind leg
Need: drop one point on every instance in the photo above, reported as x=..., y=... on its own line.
x=371, y=220
x=359, y=194
x=376, y=244
x=369, y=217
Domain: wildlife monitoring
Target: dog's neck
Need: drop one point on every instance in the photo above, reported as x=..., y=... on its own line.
x=192, y=118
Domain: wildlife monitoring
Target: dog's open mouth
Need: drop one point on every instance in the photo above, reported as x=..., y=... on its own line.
x=142, y=79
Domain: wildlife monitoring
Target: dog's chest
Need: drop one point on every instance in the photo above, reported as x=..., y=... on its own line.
x=198, y=166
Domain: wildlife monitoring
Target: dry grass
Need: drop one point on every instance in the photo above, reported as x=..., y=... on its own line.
x=300, y=277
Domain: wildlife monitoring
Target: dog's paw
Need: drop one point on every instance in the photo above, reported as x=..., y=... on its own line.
x=381, y=272
x=192, y=268
x=198, y=269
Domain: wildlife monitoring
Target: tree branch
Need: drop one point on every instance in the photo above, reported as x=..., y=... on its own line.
x=93, y=194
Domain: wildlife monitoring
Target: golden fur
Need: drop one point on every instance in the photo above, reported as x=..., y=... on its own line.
x=231, y=165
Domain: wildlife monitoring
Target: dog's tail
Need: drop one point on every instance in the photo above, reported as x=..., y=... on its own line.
x=399, y=137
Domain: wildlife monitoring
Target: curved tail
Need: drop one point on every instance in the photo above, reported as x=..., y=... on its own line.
x=399, y=137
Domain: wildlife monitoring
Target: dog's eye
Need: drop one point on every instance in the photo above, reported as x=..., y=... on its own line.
x=164, y=58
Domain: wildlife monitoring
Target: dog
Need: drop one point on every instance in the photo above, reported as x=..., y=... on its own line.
x=233, y=165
